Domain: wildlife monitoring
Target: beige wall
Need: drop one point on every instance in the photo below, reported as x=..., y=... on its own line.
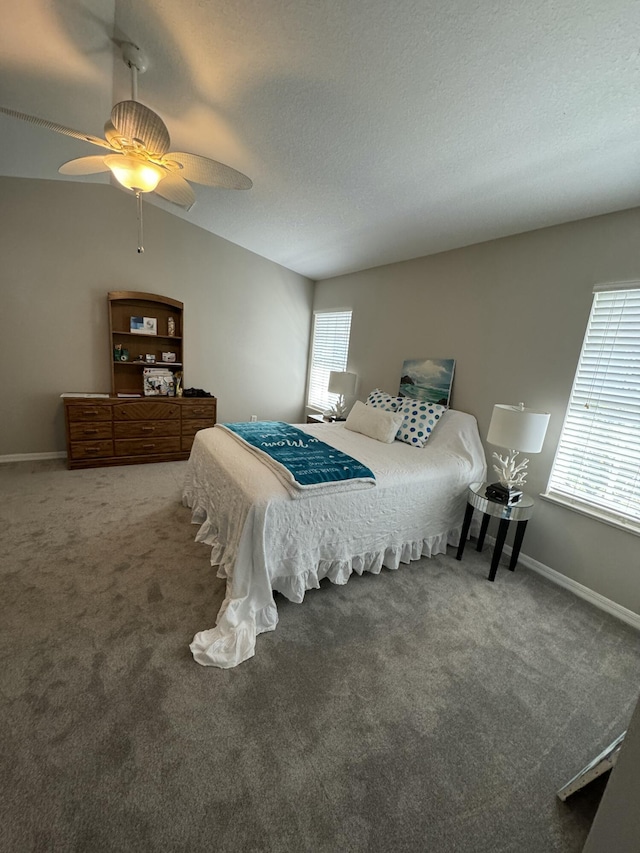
x=512, y=313
x=616, y=826
x=63, y=245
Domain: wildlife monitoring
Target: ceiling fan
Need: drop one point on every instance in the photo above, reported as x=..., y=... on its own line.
x=138, y=143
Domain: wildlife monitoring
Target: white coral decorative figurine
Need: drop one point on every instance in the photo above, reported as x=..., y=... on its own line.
x=509, y=472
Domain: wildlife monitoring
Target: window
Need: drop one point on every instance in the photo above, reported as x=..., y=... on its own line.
x=597, y=464
x=330, y=351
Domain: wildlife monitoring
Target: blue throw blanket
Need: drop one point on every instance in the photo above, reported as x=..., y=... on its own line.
x=307, y=461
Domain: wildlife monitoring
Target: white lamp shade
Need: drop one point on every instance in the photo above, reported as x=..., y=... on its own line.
x=517, y=428
x=342, y=383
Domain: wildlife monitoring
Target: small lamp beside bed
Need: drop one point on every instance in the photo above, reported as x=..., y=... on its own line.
x=343, y=384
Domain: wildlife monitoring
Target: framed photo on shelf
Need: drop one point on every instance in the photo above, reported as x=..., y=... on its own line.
x=158, y=382
x=143, y=325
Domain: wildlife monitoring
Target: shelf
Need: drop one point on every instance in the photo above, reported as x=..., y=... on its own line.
x=127, y=377
x=152, y=337
x=149, y=363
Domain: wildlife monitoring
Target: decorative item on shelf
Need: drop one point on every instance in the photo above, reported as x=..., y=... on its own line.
x=117, y=352
x=196, y=392
x=150, y=358
x=519, y=430
x=171, y=326
x=343, y=384
x=169, y=356
x=177, y=382
x=143, y=325
x=124, y=354
x=158, y=382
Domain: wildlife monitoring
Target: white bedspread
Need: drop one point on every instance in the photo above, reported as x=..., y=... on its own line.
x=262, y=541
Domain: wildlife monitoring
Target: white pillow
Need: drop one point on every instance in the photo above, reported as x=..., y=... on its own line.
x=382, y=400
x=419, y=419
x=376, y=423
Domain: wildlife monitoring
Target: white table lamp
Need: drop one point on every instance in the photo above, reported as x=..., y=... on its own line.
x=343, y=384
x=519, y=430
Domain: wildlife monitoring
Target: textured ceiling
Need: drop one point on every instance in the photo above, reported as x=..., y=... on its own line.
x=373, y=131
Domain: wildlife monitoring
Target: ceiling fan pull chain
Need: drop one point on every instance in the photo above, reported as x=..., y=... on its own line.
x=139, y=203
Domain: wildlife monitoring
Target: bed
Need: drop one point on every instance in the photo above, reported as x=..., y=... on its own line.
x=262, y=541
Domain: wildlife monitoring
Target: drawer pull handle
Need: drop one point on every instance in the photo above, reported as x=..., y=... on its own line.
x=148, y=429
x=89, y=412
x=148, y=446
x=90, y=431
x=92, y=450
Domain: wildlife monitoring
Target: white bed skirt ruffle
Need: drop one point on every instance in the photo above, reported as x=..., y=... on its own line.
x=240, y=620
x=298, y=579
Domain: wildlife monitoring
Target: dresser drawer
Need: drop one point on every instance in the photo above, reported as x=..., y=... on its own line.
x=83, y=430
x=187, y=443
x=90, y=449
x=190, y=428
x=199, y=410
x=145, y=429
x=151, y=411
x=85, y=412
x=147, y=446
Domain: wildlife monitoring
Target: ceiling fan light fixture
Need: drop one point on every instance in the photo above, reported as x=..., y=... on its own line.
x=140, y=158
x=134, y=173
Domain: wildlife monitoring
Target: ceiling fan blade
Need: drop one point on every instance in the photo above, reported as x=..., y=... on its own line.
x=84, y=166
x=138, y=123
x=59, y=128
x=112, y=136
x=177, y=190
x=202, y=170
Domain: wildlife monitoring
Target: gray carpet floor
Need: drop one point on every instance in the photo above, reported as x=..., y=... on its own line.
x=418, y=710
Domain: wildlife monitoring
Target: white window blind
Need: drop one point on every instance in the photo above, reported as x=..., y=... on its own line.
x=330, y=350
x=597, y=464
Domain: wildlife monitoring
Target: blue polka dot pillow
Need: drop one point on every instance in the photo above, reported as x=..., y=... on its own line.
x=420, y=420
x=381, y=400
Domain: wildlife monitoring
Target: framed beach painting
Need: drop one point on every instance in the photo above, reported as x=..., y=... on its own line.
x=428, y=379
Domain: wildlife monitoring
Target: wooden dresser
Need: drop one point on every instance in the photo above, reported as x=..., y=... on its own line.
x=114, y=431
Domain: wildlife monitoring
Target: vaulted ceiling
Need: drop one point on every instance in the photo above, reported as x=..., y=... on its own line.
x=373, y=131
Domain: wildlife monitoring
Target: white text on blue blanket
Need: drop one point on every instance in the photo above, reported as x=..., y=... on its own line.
x=287, y=443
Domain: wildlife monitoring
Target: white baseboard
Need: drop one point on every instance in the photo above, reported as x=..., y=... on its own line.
x=578, y=589
x=33, y=457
